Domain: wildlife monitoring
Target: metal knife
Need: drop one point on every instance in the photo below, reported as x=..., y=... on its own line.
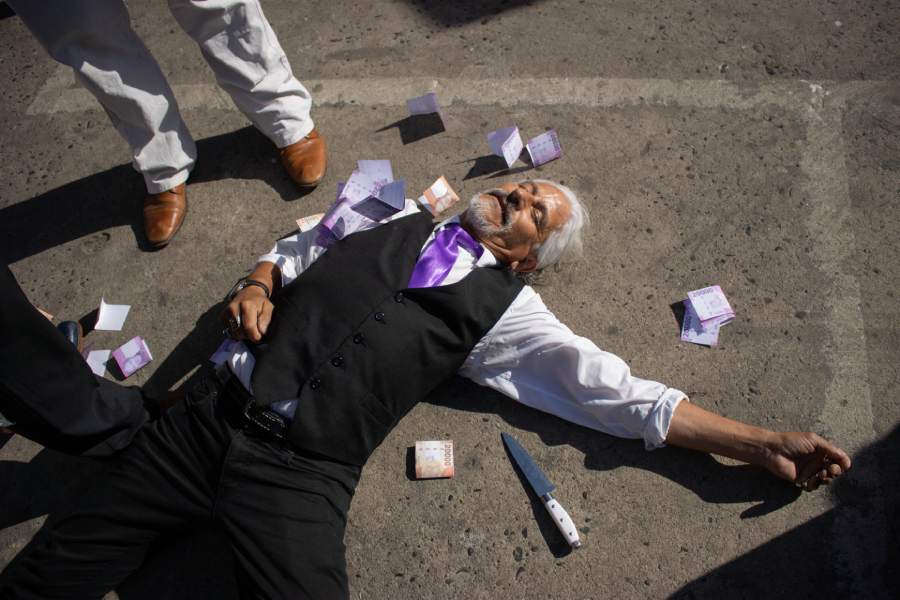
x=542, y=487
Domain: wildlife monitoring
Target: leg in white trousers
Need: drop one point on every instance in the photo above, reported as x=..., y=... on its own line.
x=95, y=38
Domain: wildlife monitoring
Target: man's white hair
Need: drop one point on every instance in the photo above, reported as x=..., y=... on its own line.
x=564, y=241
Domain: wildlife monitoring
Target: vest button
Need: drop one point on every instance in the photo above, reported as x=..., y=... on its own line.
x=379, y=316
x=358, y=338
x=315, y=383
x=398, y=297
x=338, y=360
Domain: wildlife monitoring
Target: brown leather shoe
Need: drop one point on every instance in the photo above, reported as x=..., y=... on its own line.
x=163, y=215
x=305, y=161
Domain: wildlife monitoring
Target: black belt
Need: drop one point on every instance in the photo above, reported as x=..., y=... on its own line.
x=243, y=411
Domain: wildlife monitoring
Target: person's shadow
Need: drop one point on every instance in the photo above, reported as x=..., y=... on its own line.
x=711, y=480
x=115, y=197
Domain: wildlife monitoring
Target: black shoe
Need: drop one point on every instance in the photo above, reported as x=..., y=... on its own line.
x=72, y=331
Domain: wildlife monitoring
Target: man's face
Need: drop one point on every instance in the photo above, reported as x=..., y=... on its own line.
x=515, y=218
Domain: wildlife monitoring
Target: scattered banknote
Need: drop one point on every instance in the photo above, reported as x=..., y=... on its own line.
x=390, y=199
x=309, y=222
x=368, y=196
x=45, y=313
x=423, y=105
x=506, y=143
x=340, y=219
x=379, y=171
x=544, y=148
x=693, y=331
x=711, y=305
x=439, y=196
x=96, y=360
x=705, y=311
x=111, y=317
x=434, y=459
x=132, y=355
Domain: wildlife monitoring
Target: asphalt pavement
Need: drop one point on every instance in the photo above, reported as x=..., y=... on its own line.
x=751, y=145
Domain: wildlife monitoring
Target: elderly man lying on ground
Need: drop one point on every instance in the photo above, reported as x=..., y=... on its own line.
x=272, y=443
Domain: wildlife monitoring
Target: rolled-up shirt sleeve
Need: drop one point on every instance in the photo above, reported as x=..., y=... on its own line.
x=531, y=357
x=293, y=254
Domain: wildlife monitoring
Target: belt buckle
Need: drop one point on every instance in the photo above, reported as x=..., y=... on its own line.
x=265, y=420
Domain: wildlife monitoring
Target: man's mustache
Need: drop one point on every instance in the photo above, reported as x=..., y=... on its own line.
x=501, y=195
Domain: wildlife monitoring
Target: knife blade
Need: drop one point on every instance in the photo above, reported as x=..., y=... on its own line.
x=543, y=488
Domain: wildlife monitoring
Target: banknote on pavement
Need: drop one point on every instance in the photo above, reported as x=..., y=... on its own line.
x=132, y=355
x=96, y=360
x=434, y=459
x=439, y=196
x=693, y=331
x=425, y=104
x=111, y=317
x=379, y=171
x=711, y=305
x=309, y=222
x=544, y=147
x=506, y=143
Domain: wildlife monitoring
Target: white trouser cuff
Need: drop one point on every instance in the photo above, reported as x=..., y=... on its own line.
x=162, y=185
x=293, y=135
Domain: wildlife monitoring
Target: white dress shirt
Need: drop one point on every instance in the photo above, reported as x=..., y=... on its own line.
x=527, y=355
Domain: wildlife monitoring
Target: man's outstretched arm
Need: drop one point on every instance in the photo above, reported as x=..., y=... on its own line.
x=804, y=458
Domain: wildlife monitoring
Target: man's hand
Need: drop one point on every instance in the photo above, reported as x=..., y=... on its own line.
x=248, y=314
x=805, y=459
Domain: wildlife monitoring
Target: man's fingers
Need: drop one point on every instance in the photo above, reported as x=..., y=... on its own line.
x=823, y=477
x=231, y=319
x=835, y=454
x=265, y=317
x=229, y=314
x=810, y=484
x=808, y=468
x=249, y=321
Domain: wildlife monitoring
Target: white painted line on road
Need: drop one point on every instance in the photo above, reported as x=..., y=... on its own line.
x=847, y=415
x=61, y=94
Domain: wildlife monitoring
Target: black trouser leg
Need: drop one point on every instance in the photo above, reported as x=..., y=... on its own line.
x=164, y=481
x=48, y=390
x=285, y=512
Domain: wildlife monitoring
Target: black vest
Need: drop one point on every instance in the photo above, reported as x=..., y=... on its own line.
x=359, y=349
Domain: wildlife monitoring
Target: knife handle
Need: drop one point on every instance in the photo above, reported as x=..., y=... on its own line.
x=563, y=520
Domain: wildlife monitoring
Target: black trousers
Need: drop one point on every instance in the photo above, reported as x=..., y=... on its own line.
x=51, y=394
x=284, y=511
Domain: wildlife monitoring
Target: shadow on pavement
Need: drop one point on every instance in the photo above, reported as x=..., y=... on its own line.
x=461, y=12
x=802, y=563
x=417, y=127
x=6, y=11
x=712, y=481
x=193, y=350
x=114, y=197
x=485, y=165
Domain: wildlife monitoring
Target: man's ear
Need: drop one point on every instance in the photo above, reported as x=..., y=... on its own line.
x=526, y=265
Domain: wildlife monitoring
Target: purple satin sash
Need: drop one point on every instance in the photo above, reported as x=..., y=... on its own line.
x=438, y=258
